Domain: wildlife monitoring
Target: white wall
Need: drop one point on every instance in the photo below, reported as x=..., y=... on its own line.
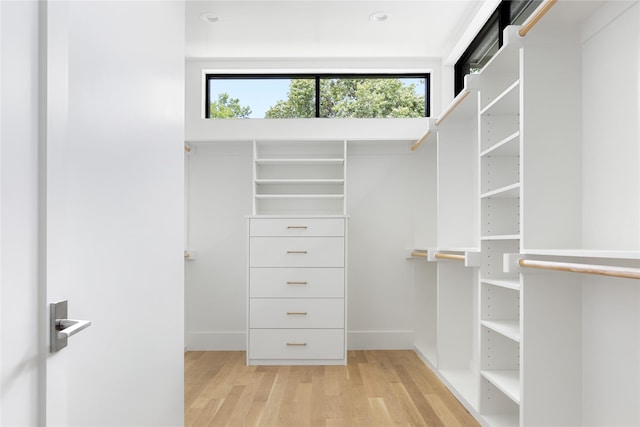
x=19, y=403
x=219, y=197
x=610, y=123
x=388, y=204
x=390, y=213
x=611, y=208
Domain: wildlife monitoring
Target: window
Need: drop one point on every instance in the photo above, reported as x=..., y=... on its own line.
x=325, y=96
x=489, y=38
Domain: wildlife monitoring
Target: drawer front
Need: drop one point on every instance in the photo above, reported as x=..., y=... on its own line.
x=292, y=313
x=296, y=344
x=296, y=282
x=296, y=227
x=296, y=252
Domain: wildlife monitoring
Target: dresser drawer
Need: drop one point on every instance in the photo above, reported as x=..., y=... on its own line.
x=296, y=227
x=296, y=252
x=296, y=282
x=296, y=344
x=296, y=313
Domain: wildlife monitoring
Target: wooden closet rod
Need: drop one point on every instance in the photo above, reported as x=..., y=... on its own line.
x=424, y=137
x=419, y=254
x=603, y=270
x=537, y=14
x=187, y=148
x=456, y=101
x=450, y=256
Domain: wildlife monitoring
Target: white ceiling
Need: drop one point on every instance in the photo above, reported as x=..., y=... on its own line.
x=328, y=28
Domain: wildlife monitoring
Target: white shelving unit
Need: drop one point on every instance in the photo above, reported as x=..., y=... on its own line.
x=556, y=181
x=297, y=253
x=500, y=148
x=299, y=177
x=456, y=296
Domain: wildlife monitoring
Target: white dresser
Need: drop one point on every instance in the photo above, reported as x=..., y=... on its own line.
x=297, y=289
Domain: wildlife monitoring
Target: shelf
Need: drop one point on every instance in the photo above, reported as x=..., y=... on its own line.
x=584, y=253
x=427, y=352
x=299, y=181
x=507, y=103
x=508, y=328
x=507, y=147
x=509, y=284
x=464, y=382
x=505, y=61
x=507, y=381
x=300, y=196
x=507, y=192
x=460, y=108
x=299, y=161
x=501, y=237
x=502, y=420
x=299, y=176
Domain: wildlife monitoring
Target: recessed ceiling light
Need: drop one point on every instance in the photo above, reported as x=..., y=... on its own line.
x=209, y=17
x=379, y=16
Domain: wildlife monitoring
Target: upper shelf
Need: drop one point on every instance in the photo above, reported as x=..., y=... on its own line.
x=464, y=105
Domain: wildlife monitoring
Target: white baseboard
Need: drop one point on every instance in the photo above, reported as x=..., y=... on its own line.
x=216, y=341
x=380, y=340
x=356, y=340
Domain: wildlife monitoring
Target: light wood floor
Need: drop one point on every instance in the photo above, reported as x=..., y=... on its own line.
x=377, y=388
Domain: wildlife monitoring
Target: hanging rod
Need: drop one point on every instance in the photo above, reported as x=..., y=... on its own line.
x=187, y=148
x=535, y=17
x=423, y=254
x=417, y=144
x=450, y=256
x=456, y=101
x=603, y=270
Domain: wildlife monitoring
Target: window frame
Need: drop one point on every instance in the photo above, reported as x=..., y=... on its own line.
x=209, y=76
x=502, y=15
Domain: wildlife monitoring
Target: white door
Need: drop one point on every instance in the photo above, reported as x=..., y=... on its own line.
x=113, y=209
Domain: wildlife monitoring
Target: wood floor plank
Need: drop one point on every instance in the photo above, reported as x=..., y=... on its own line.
x=419, y=401
x=379, y=412
x=376, y=388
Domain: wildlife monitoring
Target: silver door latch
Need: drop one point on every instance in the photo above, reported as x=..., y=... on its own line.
x=61, y=328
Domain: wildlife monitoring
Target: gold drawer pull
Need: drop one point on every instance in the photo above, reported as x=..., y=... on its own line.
x=296, y=252
x=297, y=344
x=301, y=227
x=296, y=313
x=296, y=283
